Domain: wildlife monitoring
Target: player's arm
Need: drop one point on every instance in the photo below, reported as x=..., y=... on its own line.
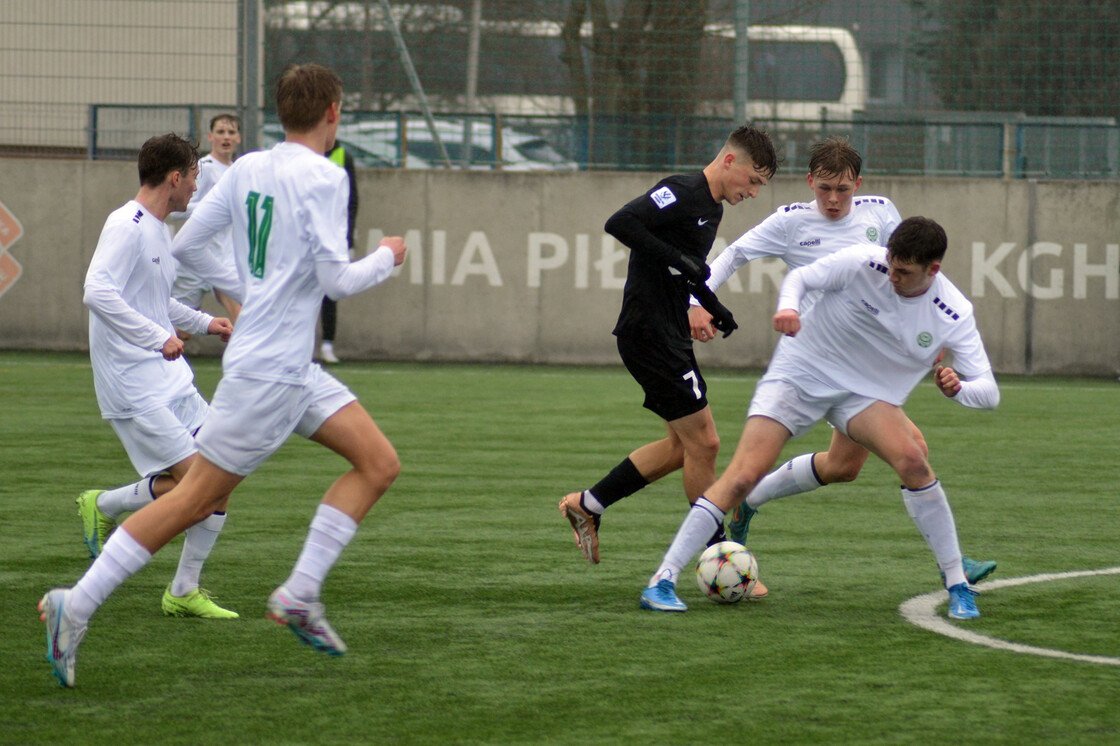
x=633, y=226
x=341, y=279
x=832, y=272
x=324, y=215
x=700, y=319
x=112, y=263
x=188, y=319
x=767, y=239
x=970, y=383
x=979, y=392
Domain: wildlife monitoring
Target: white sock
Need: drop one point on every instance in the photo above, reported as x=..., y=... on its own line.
x=791, y=478
x=127, y=499
x=591, y=503
x=120, y=558
x=698, y=526
x=929, y=508
x=331, y=530
x=197, y=544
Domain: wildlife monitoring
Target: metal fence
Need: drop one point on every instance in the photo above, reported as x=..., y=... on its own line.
x=924, y=87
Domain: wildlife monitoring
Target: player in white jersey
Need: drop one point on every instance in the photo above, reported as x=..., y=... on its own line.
x=189, y=288
x=144, y=386
x=287, y=207
x=882, y=321
x=798, y=234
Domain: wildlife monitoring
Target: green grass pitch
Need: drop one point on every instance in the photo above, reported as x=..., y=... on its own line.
x=472, y=619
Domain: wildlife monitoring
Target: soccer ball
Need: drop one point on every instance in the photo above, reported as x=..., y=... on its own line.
x=726, y=572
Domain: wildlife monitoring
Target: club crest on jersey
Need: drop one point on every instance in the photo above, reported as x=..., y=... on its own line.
x=925, y=339
x=873, y=234
x=663, y=197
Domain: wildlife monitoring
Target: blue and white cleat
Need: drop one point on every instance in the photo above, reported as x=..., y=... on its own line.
x=740, y=523
x=306, y=620
x=63, y=635
x=974, y=570
x=662, y=597
x=962, y=602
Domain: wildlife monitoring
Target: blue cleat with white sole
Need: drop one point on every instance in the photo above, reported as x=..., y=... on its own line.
x=662, y=597
x=63, y=635
x=962, y=602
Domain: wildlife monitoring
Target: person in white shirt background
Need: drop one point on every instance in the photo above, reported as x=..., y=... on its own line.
x=883, y=319
x=224, y=137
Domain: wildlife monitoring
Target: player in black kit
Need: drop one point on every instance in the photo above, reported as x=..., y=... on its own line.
x=669, y=231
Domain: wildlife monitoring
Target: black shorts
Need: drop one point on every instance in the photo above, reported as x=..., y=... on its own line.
x=669, y=377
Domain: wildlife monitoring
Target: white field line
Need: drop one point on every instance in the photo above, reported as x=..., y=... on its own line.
x=921, y=611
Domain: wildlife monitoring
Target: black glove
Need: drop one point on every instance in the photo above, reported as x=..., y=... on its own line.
x=693, y=271
x=721, y=317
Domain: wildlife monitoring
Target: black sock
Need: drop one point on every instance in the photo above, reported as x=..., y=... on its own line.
x=622, y=481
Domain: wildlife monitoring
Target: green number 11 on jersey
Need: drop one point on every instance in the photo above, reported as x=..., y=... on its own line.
x=258, y=231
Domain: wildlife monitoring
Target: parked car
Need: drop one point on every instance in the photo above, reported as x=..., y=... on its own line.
x=369, y=155
x=507, y=149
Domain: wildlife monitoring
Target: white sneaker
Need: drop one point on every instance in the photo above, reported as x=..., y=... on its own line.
x=63, y=635
x=306, y=620
x=326, y=353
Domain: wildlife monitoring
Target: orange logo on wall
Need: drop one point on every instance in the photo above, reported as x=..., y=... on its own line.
x=10, y=231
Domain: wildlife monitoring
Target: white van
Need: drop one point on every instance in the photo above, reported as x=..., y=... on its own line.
x=796, y=73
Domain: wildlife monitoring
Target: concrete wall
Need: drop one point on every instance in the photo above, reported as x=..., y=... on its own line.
x=516, y=267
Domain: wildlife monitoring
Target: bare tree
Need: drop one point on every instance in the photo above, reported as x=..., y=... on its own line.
x=635, y=72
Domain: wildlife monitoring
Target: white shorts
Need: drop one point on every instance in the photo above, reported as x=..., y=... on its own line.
x=250, y=419
x=160, y=439
x=798, y=410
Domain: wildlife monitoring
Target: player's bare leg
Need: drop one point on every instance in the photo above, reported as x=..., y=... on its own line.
x=352, y=434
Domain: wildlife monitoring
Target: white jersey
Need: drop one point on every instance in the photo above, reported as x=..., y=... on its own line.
x=800, y=234
x=863, y=337
x=132, y=314
x=210, y=171
x=287, y=209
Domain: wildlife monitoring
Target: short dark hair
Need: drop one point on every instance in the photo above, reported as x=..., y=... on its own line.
x=918, y=240
x=756, y=145
x=834, y=156
x=303, y=95
x=162, y=154
x=231, y=118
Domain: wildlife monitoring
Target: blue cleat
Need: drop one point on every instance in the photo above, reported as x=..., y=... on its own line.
x=974, y=571
x=962, y=602
x=662, y=597
x=977, y=571
x=740, y=523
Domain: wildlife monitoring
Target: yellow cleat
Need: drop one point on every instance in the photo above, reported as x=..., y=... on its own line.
x=198, y=603
x=96, y=526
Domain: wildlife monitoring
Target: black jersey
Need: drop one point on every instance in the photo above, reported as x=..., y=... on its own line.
x=678, y=216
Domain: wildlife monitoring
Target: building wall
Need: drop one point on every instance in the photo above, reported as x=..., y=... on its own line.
x=516, y=266
x=59, y=56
